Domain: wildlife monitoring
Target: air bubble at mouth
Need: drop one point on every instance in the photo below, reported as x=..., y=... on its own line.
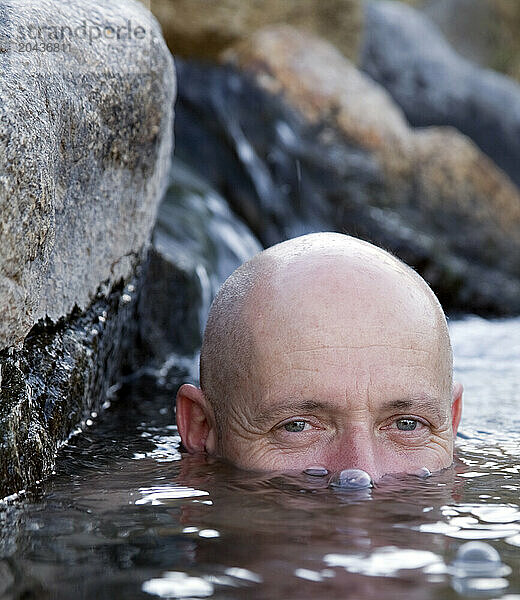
x=351, y=479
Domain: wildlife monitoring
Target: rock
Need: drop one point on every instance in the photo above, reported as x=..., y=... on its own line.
x=506, y=22
x=468, y=25
x=85, y=142
x=86, y=138
x=404, y=52
x=305, y=142
x=62, y=375
x=197, y=243
x=203, y=29
x=483, y=31
x=261, y=154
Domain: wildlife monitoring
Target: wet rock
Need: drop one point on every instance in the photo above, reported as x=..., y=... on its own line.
x=405, y=53
x=299, y=140
x=197, y=243
x=85, y=137
x=60, y=376
x=195, y=29
x=262, y=155
x=85, y=141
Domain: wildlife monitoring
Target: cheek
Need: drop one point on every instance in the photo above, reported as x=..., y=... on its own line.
x=260, y=455
x=380, y=457
x=435, y=454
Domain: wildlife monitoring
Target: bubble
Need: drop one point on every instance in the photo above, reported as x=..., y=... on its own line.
x=478, y=570
x=478, y=559
x=316, y=471
x=423, y=473
x=351, y=479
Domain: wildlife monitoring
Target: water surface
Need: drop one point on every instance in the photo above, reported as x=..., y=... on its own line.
x=126, y=516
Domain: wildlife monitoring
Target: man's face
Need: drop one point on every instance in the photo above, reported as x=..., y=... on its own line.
x=345, y=374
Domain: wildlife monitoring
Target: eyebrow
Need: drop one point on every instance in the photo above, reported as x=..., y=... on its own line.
x=419, y=404
x=288, y=406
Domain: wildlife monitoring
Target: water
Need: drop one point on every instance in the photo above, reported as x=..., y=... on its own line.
x=125, y=516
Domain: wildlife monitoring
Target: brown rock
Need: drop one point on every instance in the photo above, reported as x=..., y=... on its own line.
x=452, y=171
x=203, y=28
x=437, y=168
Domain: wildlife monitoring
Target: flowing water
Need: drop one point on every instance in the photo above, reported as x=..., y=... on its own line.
x=126, y=516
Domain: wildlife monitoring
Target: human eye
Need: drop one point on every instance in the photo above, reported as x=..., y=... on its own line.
x=296, y=426
x=407, y=424
x=406, y=430
x=297, y=431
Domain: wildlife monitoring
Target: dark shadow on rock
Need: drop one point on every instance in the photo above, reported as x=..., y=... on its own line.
x=197, y=243
x=63, y=373
x=286, y=176
x=262, y=155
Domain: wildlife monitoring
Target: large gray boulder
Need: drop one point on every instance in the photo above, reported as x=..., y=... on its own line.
x=406, y=53
x=85, y=145
x=85, y=141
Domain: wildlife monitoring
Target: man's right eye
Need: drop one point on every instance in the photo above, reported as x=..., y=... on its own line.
x=295, y=426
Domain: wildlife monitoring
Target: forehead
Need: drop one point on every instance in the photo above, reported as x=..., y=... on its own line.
x=347, y=298
x=348, y=330
x=349, y=378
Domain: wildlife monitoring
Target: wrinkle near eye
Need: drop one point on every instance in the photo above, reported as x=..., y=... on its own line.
x=241, y=424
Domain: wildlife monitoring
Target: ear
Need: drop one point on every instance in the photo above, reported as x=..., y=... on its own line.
x=456, y=406
x=195, y=420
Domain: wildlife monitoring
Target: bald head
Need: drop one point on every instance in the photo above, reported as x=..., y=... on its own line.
x=324, y=350
x=322, y=281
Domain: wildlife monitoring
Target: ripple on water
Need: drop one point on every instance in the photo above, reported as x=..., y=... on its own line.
x=476, y=522
x=166, y=448
x=175, y=584
x=386, y=561
x=487, y=362
x=118, y=521
x=164, y=493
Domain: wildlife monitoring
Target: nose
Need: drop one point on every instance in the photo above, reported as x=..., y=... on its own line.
x=355, y=450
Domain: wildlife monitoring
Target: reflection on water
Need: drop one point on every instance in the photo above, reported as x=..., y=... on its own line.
x=126, y=516
x=487, y=361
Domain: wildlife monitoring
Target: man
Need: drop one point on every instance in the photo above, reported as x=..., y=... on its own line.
x=324, y=351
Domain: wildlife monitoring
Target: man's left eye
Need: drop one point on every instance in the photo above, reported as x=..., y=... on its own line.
x=295, y=426
x=407, y=424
